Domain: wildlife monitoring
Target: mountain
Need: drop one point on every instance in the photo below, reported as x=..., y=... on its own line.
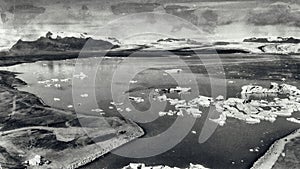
x=278, y=40
x=47, y=45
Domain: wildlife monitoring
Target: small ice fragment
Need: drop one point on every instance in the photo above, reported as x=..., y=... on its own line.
x=56, y=99
x=283, y=154
x=194, y=132
x=251, y=150
x=294, y=120
x=57, y=85
x=220, y=98
x=84, y=95
x=35, y=161
x=137, y=99
x=132, y=81
x=80, y=76
x=48, y=85
x=162, y=98
x=64, y=80
x=161, y=113
x=180, y=90
x=116, y=104
x=173, y=70
x=97, y=110
x=128, y=109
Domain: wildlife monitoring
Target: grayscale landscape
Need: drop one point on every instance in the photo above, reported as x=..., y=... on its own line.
x=150, y=84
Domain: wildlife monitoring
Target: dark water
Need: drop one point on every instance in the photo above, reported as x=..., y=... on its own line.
x=227, y=147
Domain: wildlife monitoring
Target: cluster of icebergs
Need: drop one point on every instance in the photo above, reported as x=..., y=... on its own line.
x=245, y=109
x=183, y=107
x=253, y=111
x=37, y=160
x=143, y=166
x=53, y=82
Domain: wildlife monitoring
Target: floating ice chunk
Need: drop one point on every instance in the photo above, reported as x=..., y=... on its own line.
x=57, y=85
x=161, y=113
x=36, y=160
x=162, y=98
x=194, y=132
x=179, y=113
x=116, y=104
x=84, y=95
x=180, y=90
x=81, y=76
x=194, y=112
x=202, y=101
x=43, y=82
x=197, y=166
x=294, y=120
x=54, y=80
x=173, y=71
x=143, y=166
x=221, y=120
x=252, y=120
x=132, y=81
x=48, y=85
x=64, y=80
x=97, y=110
x=56, y=99
x=220, y=98
x=176, y=101
x=136, y=99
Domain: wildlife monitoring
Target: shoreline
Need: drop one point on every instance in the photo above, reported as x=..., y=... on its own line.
x=269, y=159
x=59, y=137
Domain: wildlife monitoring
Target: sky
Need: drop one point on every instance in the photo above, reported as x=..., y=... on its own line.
x=217, y=20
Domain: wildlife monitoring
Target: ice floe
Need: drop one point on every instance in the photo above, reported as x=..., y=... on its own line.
x=97, y=110
x=294, y=120
x=81, y=76
x=173, y=71
x=249, y=110
x=85, y=95
x=56, y=99
x=180, y=90
x=143, y=166
x=132, y=81
x=137, y=99
x=37, y=160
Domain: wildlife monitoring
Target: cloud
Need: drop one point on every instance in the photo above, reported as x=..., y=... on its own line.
x=129, y=8
x=278, y=13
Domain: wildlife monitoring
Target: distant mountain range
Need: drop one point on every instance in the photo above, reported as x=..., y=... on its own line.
x=47, y=47
x=278, y=40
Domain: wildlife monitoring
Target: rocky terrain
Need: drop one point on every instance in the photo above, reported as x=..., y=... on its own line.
x=284, y=153
x=35, y=135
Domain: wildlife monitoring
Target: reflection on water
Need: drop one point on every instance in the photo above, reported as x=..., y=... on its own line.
x=228, y=147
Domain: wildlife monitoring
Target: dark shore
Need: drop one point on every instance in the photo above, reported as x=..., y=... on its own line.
x=28, y=128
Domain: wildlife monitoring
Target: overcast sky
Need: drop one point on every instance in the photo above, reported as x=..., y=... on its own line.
x=217, y=19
